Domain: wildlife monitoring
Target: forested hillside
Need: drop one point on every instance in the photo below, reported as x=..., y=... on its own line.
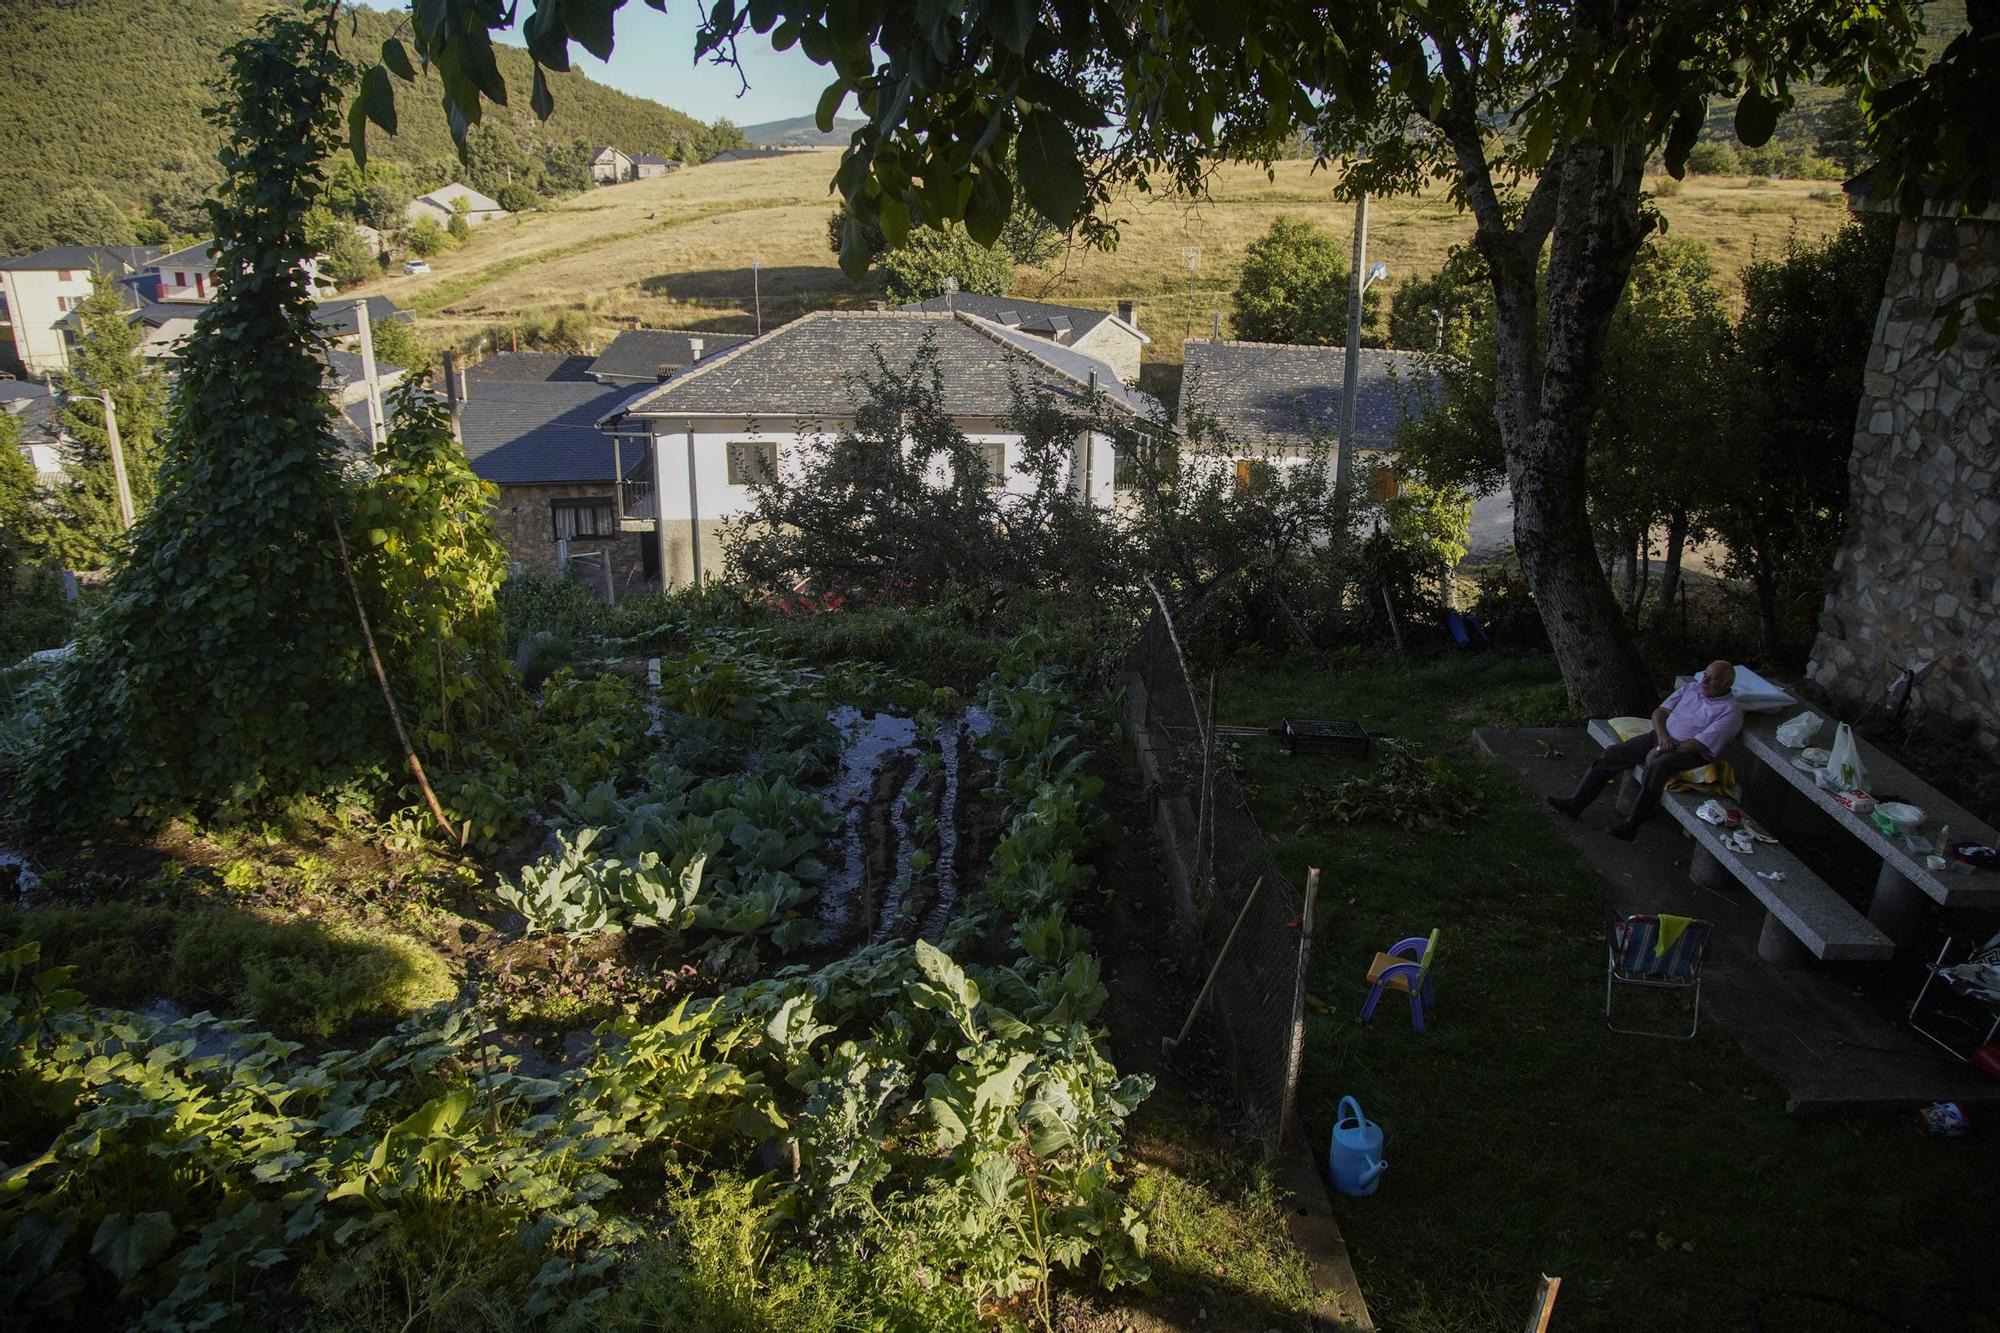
x=102, y=113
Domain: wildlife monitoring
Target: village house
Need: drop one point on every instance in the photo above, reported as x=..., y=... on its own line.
x=609, y=165
x=32, y=406
x=441, y=205
x=538, y=442
x=645, y=166
x=37, y=291
x=647, y=356
x=1112, y=339
x=1273, y=401
x=187, y=274
x=692, y=447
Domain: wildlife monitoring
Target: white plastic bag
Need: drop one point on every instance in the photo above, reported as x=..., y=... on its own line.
x=1800, y=731
x=1845, y=761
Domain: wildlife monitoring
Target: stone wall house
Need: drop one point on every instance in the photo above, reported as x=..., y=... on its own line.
x=1914, y=580
x=538, y=442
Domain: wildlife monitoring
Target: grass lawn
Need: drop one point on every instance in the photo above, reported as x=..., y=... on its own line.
x=676, y=251
x=1661, y=1180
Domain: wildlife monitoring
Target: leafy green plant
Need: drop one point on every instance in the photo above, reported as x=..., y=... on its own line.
x=1407, y=787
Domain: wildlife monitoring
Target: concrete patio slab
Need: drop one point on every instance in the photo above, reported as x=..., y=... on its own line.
x=1826, y=1034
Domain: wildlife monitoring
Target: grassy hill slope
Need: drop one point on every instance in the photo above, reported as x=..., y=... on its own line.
x=801, y=132
x=109, y=93
x=676, y=252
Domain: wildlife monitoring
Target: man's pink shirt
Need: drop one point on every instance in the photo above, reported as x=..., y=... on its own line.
x=1693, y=716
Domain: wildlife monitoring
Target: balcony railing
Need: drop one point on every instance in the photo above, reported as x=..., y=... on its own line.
x=635, y=500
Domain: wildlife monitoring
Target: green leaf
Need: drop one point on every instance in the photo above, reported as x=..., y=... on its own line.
x=589, y=22
x=127, y=1243
x=987, y=207
x=854, y=254
x=357, y=131
x=1757, y=117
x=379, y=98
x=540, y=98
x=829, y=105
x=398, y=60
x=1045, y=155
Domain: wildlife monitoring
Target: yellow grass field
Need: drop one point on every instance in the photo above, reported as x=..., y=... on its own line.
x=677, y=251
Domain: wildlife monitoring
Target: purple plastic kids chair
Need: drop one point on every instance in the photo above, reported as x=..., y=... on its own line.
x=1405, y=967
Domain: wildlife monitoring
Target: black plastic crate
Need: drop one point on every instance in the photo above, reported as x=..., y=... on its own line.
x=1305, y=736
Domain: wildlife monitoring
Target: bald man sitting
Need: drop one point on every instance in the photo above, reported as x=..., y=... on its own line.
x=1690, y=729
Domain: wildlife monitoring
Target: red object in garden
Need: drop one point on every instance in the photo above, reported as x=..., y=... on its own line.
x=1987, y=1059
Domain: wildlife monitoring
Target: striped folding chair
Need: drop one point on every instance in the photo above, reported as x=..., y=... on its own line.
x=1663, y=952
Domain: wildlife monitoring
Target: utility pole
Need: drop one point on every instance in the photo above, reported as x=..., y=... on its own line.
x=118, y=478
x=454, y=396
x=757, y=289
x=1349, y=382
x=367, y=334
x=1191, y=258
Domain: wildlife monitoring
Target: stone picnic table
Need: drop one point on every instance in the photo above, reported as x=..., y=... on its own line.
x=1904, y=882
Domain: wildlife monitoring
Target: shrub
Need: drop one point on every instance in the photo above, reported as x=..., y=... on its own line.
x=1713, y=158
x=300, y=975
x=517, y=198
x=1756, y=182
x=1506, y=608
x=425, y=238
x=1663, y=187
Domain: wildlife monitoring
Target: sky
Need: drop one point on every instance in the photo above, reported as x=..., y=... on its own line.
x=654, y=57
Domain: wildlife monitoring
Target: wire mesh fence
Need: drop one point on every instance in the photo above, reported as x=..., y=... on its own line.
x=1231, y=896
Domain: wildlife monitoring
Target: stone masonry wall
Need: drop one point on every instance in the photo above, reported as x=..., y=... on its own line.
x=521, y=519
x=1914, y=581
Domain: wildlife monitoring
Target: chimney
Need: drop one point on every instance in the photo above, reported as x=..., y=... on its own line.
x=694, y=349
x=1129, y=312
x=877, y=307
x=1215, y=326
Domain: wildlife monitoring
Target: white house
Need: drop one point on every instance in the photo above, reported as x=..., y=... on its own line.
x=1274, y=400
x=32, y=406
x=37, y=291
x=706, y=434
x=187, y=274
x=609, y=165
x=1112, y=339
x=441, y=204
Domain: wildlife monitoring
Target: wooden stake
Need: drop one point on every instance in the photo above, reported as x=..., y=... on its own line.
x=1545, y=1304
x=382, y=679
x=1188, y=1026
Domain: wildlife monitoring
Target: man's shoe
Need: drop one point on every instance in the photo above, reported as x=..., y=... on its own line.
x=1564, y=805
x=1624, y=832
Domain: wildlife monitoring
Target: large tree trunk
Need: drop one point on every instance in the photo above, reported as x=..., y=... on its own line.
x=1597, y=230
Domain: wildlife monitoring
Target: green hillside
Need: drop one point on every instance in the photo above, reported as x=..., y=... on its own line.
x=107, y=95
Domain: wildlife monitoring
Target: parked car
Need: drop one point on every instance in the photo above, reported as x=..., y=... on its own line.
x=415, y=267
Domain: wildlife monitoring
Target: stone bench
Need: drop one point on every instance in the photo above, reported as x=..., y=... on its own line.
x=1803, y=916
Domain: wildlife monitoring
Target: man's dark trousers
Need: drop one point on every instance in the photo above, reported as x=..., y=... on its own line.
x=1622, y=758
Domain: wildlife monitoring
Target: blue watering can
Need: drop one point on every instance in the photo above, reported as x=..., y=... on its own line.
x=1354, y=1158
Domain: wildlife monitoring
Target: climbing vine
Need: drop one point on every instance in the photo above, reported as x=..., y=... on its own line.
x=225, y=664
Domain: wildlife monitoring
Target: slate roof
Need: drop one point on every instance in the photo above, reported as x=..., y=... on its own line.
x=1282, y=394
x=16, y=395
x=201, y=252
x=538, y=434
x=345, y=368
x=114, y=258
x=810, y=368
x=1038, y=317
x=653, y=354
x=532, y=368
x=445, y=195
x=648, y=160
x=336, y=317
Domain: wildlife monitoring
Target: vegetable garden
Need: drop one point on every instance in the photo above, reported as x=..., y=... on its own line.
x=832, y=913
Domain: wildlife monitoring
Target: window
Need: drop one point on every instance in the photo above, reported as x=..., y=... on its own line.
x=1253, y=476
x=180, y=278
x=993, y=457
x=583, y=518
x=1134, y=460
x=62, y=275
x=752, y=462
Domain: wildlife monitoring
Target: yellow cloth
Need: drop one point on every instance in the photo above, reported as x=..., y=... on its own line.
x=1671, y=928
x=1718, y=778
